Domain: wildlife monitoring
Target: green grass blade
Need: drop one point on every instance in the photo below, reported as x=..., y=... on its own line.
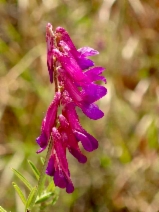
x=34, y=169
x=2, y=209
x=20, y=176
x=31, y=199
x=19, y=192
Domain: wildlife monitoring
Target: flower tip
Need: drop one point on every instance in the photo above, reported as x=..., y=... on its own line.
x=59, y=179
x=83, y=159
x=92, y=111
x=48, y=25
x=39, y=151
x=50, y=170
x=89, y=142
x=70, y=188
x=51, y=79
x=60, y=29
x=49, y=29
x=51, y=76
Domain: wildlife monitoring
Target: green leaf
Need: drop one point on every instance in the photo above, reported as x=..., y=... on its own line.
x=22, y=179
x=34, y=169
x=42, y=160
x=44, y=197
x=31, y=199
x=51, y=186
x=2, y=209
x=57, y=191
x=19, y=192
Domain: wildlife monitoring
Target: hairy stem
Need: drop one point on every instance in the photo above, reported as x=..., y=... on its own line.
x=42, y=174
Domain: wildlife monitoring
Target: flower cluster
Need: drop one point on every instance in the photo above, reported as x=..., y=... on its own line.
x=74, y=76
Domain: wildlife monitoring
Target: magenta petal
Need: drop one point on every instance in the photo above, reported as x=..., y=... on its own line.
x=80, y=157
x=50, y=170
x=87, y=51
x=73, y=91
x=51, y=114
x=64, y=36
x=42, y=141
x=71, y=66
x=74, y=148
x=90, y=93
x=62, y=174
x=93, y=92
x=85, y=63
x=48, y=122
x=63, y=121
x=60, y=150
x=69, y=188
x=70, y=141
x=79, y=55
x=89, y=109
x=88, y=141
x=93, y=74
x=59, y=179
x=92, y=111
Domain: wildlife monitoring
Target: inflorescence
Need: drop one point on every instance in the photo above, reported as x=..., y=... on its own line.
x=74, y=76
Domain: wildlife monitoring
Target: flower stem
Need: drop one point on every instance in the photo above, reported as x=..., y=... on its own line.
x=41, y=178
x=42, y=174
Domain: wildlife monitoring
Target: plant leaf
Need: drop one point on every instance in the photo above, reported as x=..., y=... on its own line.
x=19, y=192
x=51, y=186
x=2, y=209
x=57, y=191
x=20, y=176
x=44, y=197
x=34, y=169
x=31, y=199
x=42, y=160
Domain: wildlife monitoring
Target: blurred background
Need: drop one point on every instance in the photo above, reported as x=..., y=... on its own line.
x=122, y=175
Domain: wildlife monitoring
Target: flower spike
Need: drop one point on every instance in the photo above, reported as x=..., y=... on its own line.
x=75, y=77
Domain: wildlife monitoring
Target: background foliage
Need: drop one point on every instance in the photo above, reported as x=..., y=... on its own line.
x=123, y=174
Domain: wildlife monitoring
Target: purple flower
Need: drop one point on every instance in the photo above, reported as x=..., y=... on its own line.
x=58, y=166
x=94, y=74
x=70, y=140
x=71, y=67
x=81, y=54
x=75, y=79
x=48, y=122
x=85, y=98
x=88, y=141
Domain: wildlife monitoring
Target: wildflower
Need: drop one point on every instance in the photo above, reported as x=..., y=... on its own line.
x=48, y=123
x=75, y=79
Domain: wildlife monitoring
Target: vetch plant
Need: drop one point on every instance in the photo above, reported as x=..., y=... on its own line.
x=74, y=76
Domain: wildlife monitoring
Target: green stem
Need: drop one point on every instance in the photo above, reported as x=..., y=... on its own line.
x=42, y=177
x=42, y=174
